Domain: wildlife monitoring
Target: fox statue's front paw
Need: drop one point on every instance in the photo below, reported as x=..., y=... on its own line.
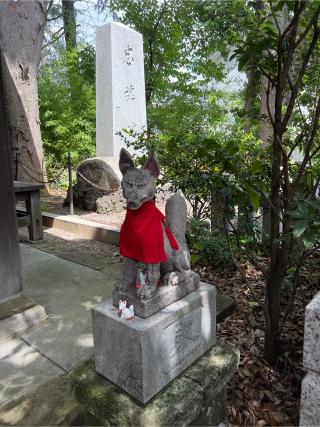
x=122, y=286
x=146, y=292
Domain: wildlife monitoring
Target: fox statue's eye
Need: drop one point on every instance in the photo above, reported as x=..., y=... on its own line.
x=141, y=185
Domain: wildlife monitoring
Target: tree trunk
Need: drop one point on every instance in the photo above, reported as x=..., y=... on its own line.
x=21, y=34
x=69, y=23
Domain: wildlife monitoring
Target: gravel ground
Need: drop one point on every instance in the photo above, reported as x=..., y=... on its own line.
x=74, y=241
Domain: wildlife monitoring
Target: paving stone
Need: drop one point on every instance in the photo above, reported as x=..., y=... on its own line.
x=22, y=368
x=68, y=291
x=50, y=404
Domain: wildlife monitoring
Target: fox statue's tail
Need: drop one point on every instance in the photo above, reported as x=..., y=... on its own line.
x=176, y=220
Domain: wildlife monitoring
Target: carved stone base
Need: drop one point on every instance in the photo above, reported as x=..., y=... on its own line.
x=165, y=296
x=143, y=355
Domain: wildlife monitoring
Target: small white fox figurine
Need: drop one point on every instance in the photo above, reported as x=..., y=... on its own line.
x=122, y=305
x=128, y=313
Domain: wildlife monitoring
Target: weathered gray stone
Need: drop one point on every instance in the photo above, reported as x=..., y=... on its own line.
x=120, y=86
x=310, y=400
x=165, y=296
x=101, y=174
x=15, y=306
x=185, y=401
x=111, y=202
x=311, y=349
x=225, y=306
x=143, y=355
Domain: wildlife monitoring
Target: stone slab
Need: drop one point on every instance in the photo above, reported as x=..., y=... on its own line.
x=67, y=291
x=186, y=400
x=87, y=229
x=143, y=355
x=225, y=306
x=310, y=400
x=18, y=323
x=311, y=347
x=21, y=369
x=50, y=404
x=165, y=296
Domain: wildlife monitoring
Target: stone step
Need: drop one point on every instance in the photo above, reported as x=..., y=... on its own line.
x=19, y=315
x=84, y=228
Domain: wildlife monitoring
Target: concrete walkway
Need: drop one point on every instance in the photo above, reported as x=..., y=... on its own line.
x=68, y=291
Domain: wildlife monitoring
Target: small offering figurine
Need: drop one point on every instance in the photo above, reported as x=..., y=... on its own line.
x=148, y=237
x=128, y=313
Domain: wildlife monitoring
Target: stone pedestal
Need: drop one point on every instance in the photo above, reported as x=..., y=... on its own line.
x=165, y=296
x=143, y=355
x=197, y=397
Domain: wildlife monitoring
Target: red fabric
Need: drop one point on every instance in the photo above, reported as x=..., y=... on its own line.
x=141, y=235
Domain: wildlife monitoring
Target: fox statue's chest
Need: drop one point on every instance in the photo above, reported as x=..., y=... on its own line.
x=141, y=235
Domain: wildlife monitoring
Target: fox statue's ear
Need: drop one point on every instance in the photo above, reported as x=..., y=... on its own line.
x=152, y=166
x=125, y=161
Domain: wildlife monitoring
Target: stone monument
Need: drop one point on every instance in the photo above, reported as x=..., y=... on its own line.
x=175, y=320
x=120, y=87
x=120, y=104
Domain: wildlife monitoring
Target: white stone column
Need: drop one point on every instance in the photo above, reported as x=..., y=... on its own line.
x=120, y=86
x=310, y=393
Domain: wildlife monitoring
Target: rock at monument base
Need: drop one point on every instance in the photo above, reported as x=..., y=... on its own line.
x=197, y=397
x=105, y=180
x=111, y=202
x=143, y=355
x=165, y=296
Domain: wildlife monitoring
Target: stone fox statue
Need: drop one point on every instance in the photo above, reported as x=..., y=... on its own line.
x=147, y=236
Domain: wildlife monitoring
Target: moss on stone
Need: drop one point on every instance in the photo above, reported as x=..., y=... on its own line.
x=197, y=396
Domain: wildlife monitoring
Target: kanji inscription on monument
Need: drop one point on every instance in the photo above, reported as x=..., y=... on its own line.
x=120, y=86
x=129, y=93
x=129, y=58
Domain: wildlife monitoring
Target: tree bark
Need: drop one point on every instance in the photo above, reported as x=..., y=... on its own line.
x=21, y=33
x=69, y=22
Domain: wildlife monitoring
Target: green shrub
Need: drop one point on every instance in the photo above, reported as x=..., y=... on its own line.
x=207, y=247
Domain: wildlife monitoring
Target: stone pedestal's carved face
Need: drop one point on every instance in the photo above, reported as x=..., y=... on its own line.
x=138, y=185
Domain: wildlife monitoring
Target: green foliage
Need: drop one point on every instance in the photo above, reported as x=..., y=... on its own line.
x=207, y=247
x=207, y=154
x=67, y=106
x=306, y=222
x=177, y=45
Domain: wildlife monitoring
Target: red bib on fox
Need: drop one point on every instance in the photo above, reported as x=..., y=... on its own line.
x=141, y=235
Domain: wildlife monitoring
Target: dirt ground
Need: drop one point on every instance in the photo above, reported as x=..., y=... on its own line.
x=258, y=394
